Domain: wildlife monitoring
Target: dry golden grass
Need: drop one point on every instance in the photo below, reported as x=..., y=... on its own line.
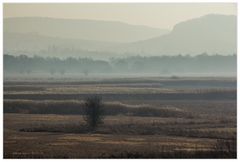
x=71, y=145
x=129, y=129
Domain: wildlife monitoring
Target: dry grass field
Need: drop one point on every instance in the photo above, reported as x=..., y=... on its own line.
x=144, y=118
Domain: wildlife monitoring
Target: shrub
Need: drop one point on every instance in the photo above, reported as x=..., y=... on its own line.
x=93, y=111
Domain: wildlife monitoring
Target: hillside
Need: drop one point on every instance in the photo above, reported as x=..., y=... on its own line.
x=210, y=33
x=111, y=31
x=102, y=39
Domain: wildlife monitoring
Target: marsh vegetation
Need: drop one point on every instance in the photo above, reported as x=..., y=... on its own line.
x=143, y=118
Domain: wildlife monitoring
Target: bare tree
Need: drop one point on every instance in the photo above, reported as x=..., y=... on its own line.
x=93, y=111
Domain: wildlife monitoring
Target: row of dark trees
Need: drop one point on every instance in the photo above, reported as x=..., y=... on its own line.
x=155, y=64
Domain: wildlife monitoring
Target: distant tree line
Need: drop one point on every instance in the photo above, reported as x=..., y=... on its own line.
x=164, y=65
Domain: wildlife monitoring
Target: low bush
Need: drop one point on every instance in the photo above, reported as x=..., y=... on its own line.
x=77, y=107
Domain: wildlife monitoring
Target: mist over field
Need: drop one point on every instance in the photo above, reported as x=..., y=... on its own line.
x=159, y=66
x=120, y=80
x=212, y=34
x=197, y=46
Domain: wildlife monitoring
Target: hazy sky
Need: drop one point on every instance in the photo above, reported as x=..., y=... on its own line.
x=155, y=15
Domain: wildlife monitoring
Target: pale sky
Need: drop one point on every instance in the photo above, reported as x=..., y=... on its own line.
x=154, y=15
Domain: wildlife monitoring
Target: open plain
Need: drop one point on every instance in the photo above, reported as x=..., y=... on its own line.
x=147, y=117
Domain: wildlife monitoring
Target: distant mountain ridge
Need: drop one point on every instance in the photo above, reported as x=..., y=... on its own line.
x=97, y=30
x=32, y=43
x=210, y=33
x=207, y=34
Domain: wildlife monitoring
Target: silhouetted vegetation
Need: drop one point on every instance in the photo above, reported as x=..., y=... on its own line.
x=161, y=65
x=93, y=111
